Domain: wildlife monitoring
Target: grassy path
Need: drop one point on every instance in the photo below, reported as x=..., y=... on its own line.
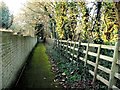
x=37, y=73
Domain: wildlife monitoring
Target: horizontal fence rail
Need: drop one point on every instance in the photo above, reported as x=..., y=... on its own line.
x=94, y=56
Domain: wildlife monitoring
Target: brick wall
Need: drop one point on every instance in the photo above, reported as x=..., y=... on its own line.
x=14, y=50
x=0, y=62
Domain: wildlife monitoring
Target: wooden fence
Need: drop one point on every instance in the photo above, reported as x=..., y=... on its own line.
x=111, y=62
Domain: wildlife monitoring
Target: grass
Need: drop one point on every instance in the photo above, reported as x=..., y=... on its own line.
x=37, y=73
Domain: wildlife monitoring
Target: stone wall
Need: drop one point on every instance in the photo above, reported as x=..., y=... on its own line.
x=14, y=50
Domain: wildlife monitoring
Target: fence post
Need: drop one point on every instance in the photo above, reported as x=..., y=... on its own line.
x=96, y=66
x=114, y=67
x=56, y=43
x=67, y=49
x=78, y=53
x=63, y=49
x=73, y=51
x=70, y=50
x=86, y=55
x=85, y=63
x=60, y=47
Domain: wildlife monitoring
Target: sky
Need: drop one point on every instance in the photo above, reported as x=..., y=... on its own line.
x=14, y=5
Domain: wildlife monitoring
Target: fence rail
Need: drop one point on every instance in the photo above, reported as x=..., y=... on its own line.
x=97, y=51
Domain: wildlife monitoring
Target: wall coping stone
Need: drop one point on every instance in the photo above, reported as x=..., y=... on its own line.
x=4, y=30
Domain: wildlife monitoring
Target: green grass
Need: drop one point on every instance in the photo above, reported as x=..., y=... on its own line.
x=38, y=71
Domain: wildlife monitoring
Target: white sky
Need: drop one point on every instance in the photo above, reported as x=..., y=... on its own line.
x=14, y=5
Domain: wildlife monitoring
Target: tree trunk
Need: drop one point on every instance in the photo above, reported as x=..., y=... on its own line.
x=117, y=5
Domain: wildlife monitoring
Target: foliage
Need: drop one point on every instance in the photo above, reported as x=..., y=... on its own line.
x=39, y=30
x=69, y=73
x=105, y=27
x=84, y=21
x=32, y=14
x=6, y=19
x=66, y=19
x=110, y=24
x=73, y=20
x=61, y=18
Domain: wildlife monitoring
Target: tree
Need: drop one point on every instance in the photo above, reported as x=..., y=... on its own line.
x=84, y=21
x=117, y=6
x=34, y=13
x=66, y=19
x=97, y=25
x=6, y=18
x=110, y=23
x=61, y=19
x=39, y=30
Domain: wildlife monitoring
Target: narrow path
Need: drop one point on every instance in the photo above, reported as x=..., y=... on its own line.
x=37, y=73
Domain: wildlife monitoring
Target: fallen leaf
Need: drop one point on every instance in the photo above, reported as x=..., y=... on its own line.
x=44, y=78
x=63, y=74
